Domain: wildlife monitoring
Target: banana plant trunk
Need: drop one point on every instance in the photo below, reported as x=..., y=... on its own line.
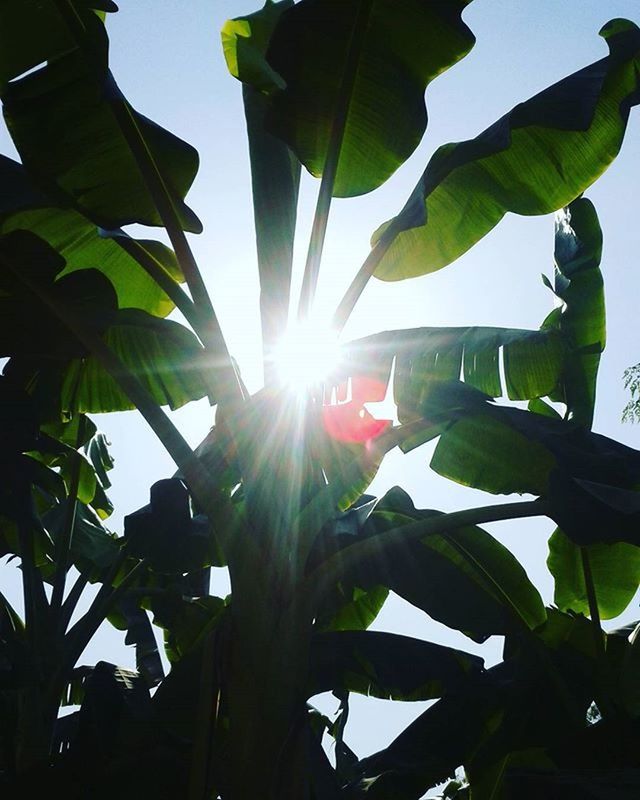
x=268, y=671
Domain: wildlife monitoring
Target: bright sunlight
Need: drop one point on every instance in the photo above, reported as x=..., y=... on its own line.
x=306, y=354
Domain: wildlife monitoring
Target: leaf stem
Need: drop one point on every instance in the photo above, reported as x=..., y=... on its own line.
x=159, y=274
x=35, y=599
x=79, y=636
x=358, y=284
x=64, y=543
x=71, y=601
x=329, y=172
x=594, y=611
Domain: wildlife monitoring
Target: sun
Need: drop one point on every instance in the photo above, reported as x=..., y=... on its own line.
x=306, y=354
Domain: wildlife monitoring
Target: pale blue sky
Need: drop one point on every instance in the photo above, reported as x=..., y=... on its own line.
x=168, y=62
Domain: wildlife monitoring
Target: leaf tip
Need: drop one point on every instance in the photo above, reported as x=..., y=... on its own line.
x=619, y=26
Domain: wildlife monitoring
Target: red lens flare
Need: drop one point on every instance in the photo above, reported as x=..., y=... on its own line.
x=349, y=420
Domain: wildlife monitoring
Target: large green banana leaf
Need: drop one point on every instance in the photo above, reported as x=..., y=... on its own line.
x=61, y=120
x=361, y=65
x=614, y=568
x=533, y=361
x=82, y=246
x=531, y=706
x=534, y=160
x=465, y=578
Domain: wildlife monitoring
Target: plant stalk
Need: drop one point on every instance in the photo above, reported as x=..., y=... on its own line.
x=71, y=601
x=336, y=138
x=80, y=634
x=159, y=275
x=35, y=599
x=64, y=544
x=594, y=612
x=358, y=284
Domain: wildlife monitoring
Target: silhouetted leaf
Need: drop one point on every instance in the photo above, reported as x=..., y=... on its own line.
x=386, y=665
x=165, y=533
x=93, y=547
x=33, y=32
x=63, y=126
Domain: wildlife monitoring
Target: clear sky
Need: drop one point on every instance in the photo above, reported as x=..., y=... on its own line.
x=166, y=56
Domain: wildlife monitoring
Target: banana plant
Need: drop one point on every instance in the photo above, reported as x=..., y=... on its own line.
x=277, y=491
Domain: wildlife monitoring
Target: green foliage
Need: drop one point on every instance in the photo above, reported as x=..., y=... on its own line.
x=277, y=490
x=325, y=68
x=534, y=160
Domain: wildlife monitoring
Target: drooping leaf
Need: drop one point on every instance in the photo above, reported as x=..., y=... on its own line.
x=464, y=578
x=80, y=244
x=591, y=513
x=27, y=266
x=535, y=160
x=97, y=450
x=481, y=451
x=83, y=246
x=504, y=450
x=140, y=633
x=589, y=480
x=386, y=665
x=537, y=697
x=164, y=355
x=64, y=128
x=615, y=571
x=68, y=431
x=166, y=534
x=429, y=750
x=389, y=50
x=62, y=438
x=87, y=481
x=186, y=620
x=578, y=282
